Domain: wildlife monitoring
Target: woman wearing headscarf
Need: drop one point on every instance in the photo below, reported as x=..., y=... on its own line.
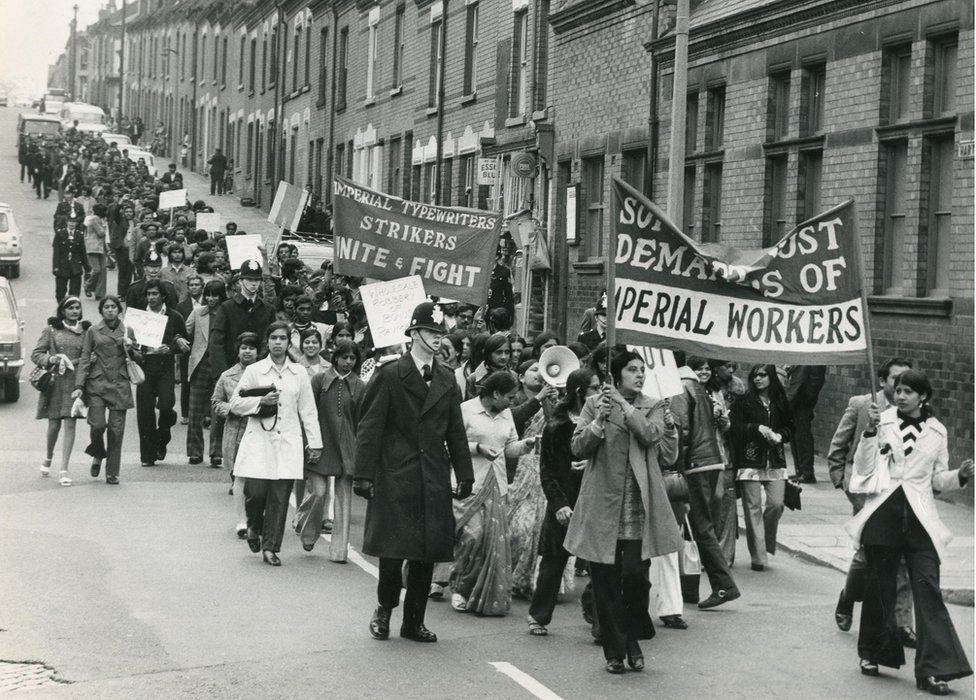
x=59, y=350
x=900, y=463
x=276, y=396
x=201, y=377
x=102, y=382
x=762, y=423
x=622, y=517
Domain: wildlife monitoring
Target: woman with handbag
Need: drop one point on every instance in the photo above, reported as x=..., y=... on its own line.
x=901, y=460
x=762, y=422
x=622, y=518
x=56, y=357
x=103, y=380
x=276, y=396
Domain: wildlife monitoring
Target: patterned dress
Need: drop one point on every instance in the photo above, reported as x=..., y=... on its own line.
x=526, y=511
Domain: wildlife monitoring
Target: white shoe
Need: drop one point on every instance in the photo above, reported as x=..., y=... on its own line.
x=458, y=602
x=64, y=479
x=46, y=468
x=436, y=591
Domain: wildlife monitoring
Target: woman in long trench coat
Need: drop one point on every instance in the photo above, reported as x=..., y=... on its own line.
x=623, y=433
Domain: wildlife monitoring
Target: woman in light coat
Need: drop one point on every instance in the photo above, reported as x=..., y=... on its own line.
x=200, y=378
x=901, y=460
x=622, y=517
x=271, y=455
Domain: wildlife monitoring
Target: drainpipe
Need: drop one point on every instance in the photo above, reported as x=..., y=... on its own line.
x=279, y=93
x=440, y=108
x=330, y=167
x=649, y=165
x=193, y=120
x=679, y=100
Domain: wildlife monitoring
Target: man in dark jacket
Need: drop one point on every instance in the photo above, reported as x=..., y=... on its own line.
x=410, y=412
x=136, y=297
x=218, y=166
x=158, y=391
x=37, y=162
x=70, y=260
x=68, y=207
x=23, y=155
x=803, y=390
x=244, y=311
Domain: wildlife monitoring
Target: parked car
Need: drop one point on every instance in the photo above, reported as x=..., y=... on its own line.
x=34, y=124
x=120, y=140
x=10, y=243
x=89, y=117
x=11, y=343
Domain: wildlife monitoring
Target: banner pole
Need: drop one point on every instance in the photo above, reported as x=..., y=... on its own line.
x=864, y=307
x=611, y=297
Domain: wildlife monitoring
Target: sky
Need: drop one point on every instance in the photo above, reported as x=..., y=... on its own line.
x=33, y=33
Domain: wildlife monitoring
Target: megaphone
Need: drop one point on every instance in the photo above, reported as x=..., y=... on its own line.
x=556, y=363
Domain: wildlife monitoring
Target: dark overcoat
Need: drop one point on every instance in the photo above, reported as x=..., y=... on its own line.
x=69, y=256
x=233, y=317
x=560, y=483
x=410, y=438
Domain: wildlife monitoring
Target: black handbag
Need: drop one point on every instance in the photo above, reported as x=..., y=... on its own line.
x=791, y=498
x=676, y=485
x=264, y=410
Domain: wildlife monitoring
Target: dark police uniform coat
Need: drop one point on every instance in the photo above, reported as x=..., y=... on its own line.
x=233, y=317
x=409, y=439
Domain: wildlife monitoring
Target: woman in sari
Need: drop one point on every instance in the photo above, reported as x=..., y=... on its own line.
x=481, y=577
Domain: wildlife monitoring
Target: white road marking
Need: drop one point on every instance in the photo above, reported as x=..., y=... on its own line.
x=525, y=680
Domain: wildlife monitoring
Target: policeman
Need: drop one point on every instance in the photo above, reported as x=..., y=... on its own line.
x=135, y=297
x=70, y=259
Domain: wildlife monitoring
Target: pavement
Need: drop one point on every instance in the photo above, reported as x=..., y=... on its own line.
x=143, y=590
x=816, y=533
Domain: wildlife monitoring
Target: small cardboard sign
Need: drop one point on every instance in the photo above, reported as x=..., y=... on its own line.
x=243, y=248
x=389, y=306
x=172, y=199
x=661, y=377
x=209, y=221
x=147, y=326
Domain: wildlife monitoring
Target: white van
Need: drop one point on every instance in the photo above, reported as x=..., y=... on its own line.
x=89, y=117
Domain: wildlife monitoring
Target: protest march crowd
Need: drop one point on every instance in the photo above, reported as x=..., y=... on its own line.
x=493, y=466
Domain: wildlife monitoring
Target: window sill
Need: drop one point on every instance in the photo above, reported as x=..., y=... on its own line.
x=468, y=99
x=320, y=103
x=251, y=93
x=432, y=111
x=910, y=306
x=398, y=90
x=369, y=101
x=515, y=121
x=802, y=142
x=340, y=108
x=223, y=87
x=540, y=116
x=594, y=266
x=901, y=129
x=240, y=86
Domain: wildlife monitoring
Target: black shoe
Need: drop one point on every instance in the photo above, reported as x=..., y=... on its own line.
x=308, y=546
x=758, y=567
x=254, y=542
x=418, y=633
x=932, y=686
x=113, y=480
x=674, y=622
x=327, y=527
x=635, y=656
x=907, y=636
x=843, y=615
x=96, y=468
x=148, y=463
x=271, y=558
x=196, y=460
x=805, y=479
x=242, y=533
x=161, y=453
x=869, y=668
x=379, y=626
x=615, y=666
x=216, y=462
x=718, y=597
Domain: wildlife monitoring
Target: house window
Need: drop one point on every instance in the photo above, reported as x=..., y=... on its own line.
x=520, y=65
x=223, y=63
x=182, y=43
x=264, y=64
x=270, y=165
x=712, y=204
x=323, y=63
x=341, y=68
x=317, y=175
x=273, y=62
x=416, y=180
x=398, y=46
x=216, y=60
x=471, y=49
x=446, y=177
x=812, y=104
x=779, y=106
x=897, y=70
x=370, y=60
x=407, y=160
x=691, y=124
x=429, y=193
x=946, y=60
x=310, y=165
x=688, y=203
x=254, y=56
x=937, y=202
x=593, y=196
x=297, y=50
x=349, y=156
x=293, y=153
x=240, y=61
x=633, y=167
x=237, y=143
x=541, y=54
x=434, y=79
x=284, y=62
x=466, y=195
x=775, y=226
x=715, y=119
x=340, y=158
x=893, y=248
x=811, y=172
x=203, y=56
x=308, y=58
x=250, y=145
x=395, y=167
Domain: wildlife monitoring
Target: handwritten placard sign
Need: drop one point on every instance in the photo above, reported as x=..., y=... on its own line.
x=243, y=248
x=149, y=327
x=661, y=377
x=209, y=221
x=389, y=306
x=172, y=199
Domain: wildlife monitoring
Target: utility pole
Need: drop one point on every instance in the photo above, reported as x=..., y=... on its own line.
x=122, y=69
x=679, y=98
x=72, y=69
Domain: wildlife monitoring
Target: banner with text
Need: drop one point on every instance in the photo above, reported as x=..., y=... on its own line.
x=796, y=302
x=384, y=238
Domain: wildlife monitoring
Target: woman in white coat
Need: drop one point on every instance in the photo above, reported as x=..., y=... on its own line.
x=900, y=461
x=276, y=395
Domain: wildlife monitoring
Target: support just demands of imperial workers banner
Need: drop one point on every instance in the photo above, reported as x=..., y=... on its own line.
x=796, y=302
x=384, y=238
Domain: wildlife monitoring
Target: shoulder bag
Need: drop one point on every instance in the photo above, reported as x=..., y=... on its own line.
x=136, y=374
x=676, y=485
x=42, y=378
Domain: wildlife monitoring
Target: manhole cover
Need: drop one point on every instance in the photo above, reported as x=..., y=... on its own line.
x=27, y=675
